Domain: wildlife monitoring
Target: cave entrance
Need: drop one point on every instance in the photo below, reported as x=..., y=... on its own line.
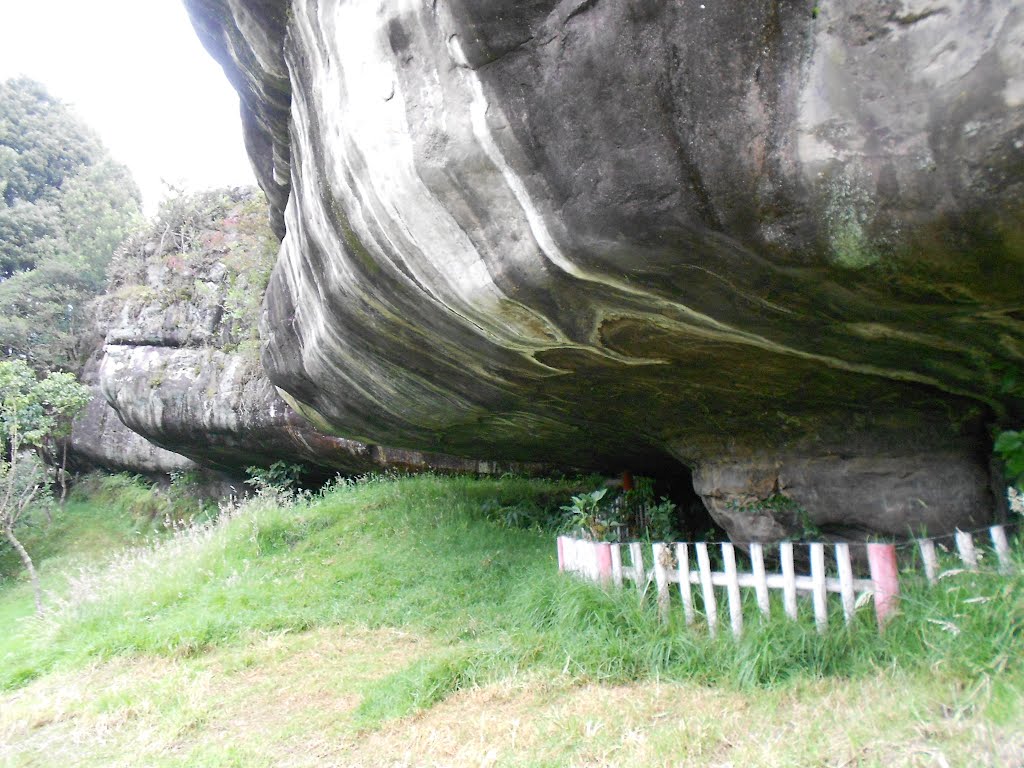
x=674, y=481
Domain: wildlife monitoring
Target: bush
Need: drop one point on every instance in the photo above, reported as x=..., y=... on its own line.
x=1009, y=447
x=281, y=478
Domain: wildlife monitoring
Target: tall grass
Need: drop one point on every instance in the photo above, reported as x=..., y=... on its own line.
x=425, y=554
x=144, y=502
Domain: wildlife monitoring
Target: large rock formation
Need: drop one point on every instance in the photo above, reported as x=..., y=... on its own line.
x=100, y=439
x=178, y=376
x=782, y=243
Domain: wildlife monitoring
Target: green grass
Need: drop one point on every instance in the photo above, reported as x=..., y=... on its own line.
x=424, y=554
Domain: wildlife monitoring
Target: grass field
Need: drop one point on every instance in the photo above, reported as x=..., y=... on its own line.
x=402, y=622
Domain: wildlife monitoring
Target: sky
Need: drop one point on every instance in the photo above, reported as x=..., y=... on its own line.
x=135, y=72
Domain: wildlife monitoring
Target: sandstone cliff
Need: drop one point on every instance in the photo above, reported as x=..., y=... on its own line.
x=782, y=243
x=178, y=378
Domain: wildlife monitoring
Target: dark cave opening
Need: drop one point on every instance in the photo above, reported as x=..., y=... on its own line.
x=673, y=480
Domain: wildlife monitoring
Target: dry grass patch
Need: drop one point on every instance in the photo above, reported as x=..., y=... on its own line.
x=882, y=721
x=254, y=705
x=289, y=700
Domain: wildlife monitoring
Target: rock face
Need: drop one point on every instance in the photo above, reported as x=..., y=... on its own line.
x=100, y=439
x=179, y=374
x=783, y=246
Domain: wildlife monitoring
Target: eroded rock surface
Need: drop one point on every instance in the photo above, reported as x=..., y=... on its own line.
x=596, y=232
x=100, y=439
x=795, y=497
x=180, y=363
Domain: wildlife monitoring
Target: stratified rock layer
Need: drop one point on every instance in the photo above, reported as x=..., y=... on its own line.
x=179, y=379
x=751, y=236
x=100, y=439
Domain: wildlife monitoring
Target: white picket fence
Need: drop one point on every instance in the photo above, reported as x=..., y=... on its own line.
x=603, y=562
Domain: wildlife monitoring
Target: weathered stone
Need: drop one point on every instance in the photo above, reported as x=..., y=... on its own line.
x=220, y=410
x=100, y=439
x=599, y=232
x=843, y=497
x=180, y=365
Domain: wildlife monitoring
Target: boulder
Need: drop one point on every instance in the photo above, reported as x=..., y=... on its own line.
x=761, y=238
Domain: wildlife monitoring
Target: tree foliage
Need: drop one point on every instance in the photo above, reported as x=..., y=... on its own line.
x=34, y=411
x=34, y=414
x=1010, y=448
x=64, y=207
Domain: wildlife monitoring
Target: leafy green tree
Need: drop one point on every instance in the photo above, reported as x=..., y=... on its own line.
x=34, y=414
x=41, y=314
x=64, y=208
x=50, y=143
x=29, y=234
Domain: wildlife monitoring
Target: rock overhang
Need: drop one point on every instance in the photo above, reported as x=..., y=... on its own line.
x=590, y=232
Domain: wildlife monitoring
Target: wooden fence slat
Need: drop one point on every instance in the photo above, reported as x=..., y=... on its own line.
x=639, y=574
x=801, y=583
x=658, y=552
x=931, y=561
x=581, y=558
x=789, y=578
x=885, y=574
x=820, y=594
x=617, y=565
x=603, y=552
x=846, y=581
x=683, y=568
x=760, y=580
x=707, y=589
x=965, y=546
x=733, y=587
x=773, y=580
x=603, y=562
x=998, y=534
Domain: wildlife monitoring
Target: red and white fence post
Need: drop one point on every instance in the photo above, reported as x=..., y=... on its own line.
x=604, y=561
x=885, y=575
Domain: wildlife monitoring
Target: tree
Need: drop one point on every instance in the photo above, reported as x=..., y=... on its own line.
x=34, y=414
x=64, y=207
x=50, y=143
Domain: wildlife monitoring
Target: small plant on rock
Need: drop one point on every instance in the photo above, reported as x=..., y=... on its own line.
x=782, y=507
x=1010, y=448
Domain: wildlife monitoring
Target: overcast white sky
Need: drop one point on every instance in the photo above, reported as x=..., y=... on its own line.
x=136, y=73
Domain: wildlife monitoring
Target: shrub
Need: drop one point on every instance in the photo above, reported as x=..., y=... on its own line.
x=1009, y=447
